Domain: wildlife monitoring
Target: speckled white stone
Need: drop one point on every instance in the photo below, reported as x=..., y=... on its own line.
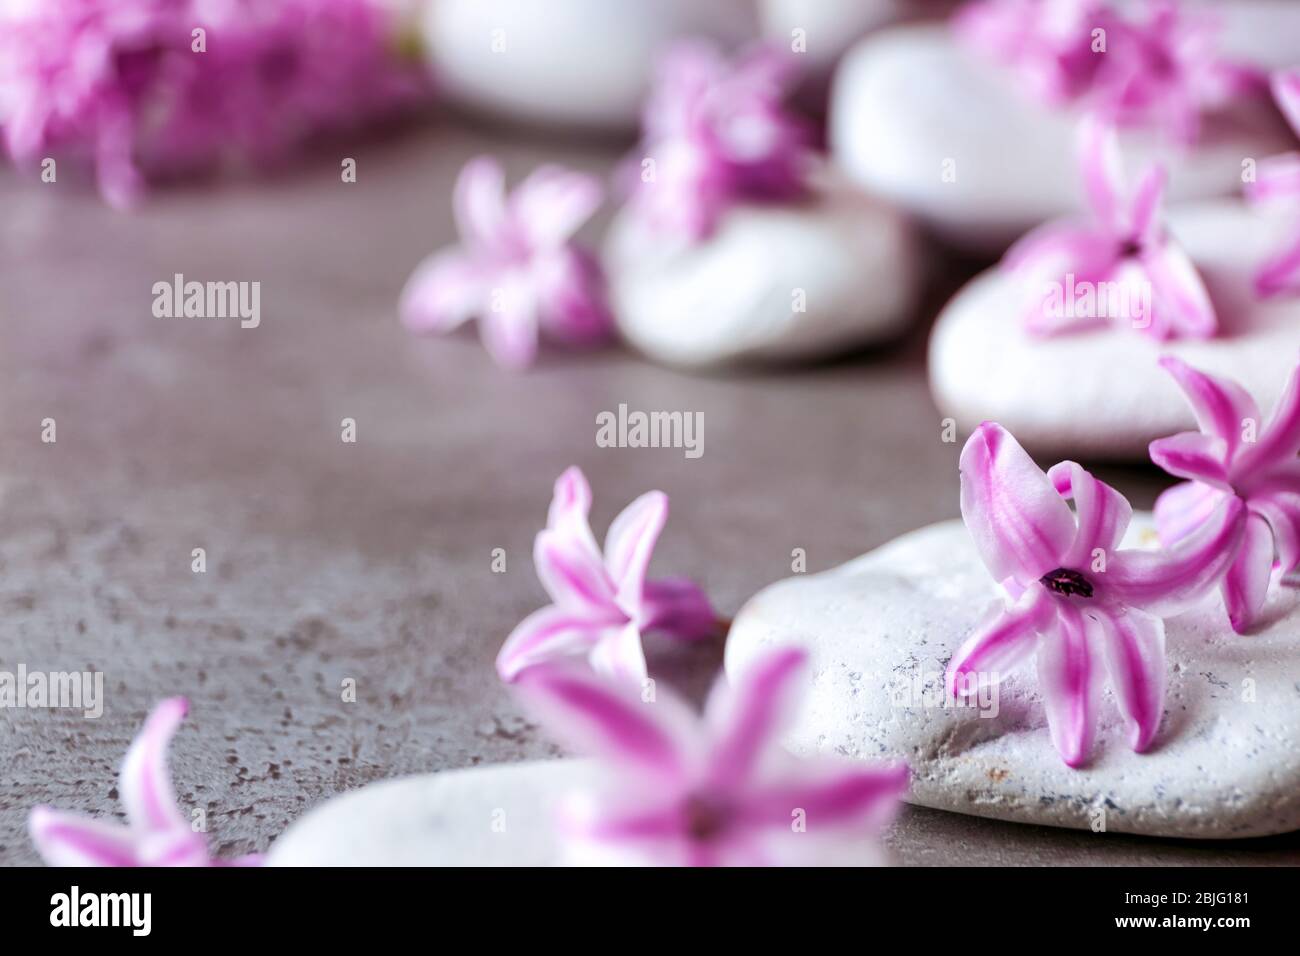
x=881, y=629
x=731, y=298
x=1100, y=392
x=584, y=63
x=910, y=99
x=482, y=816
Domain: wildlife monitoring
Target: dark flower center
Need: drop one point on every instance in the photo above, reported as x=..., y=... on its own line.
x=1065, y=581
x=705, y=819
x=1130, y=249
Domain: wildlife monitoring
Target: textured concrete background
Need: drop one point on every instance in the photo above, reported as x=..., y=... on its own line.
x=372, y=561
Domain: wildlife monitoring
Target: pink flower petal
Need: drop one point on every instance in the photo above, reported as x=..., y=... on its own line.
x=1193, y=455
x=630, y=543
x=1286, y=90
x=1277, y=180
x=1222, y=407
x=479, y=203
x=593, y=716
x=1245, y=586
x=1103, y=513
x=445, y=290
x=1020, y=525
x=1133, y=645
x=574, y=576
x=619, y=656
x=1068, y=681
x=1179, y=300
x=570, y=509
x=1103, y=173
x=679, y=608
x=1144, y=214
x=839, y=795
x=509, y=325
x=545, y=635
x=552, y=203
x=68, y=839
x=144, y=783
x=995, y=648
x=1277, y=500
x=747, y=716
x=1280, y=275
x=1279, y=440
x=571, y=290
x=1168, y=582
x=1183, y=508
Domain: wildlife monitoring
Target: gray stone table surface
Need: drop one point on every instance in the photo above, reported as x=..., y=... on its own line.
x=372, y=561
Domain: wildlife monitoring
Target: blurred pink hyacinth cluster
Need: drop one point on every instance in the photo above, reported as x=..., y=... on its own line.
x=1153, y=63
x=142, y=89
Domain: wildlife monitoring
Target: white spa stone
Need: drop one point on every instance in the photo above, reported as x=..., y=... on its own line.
x=482, y=816
x=734, y=297
x=1100, y=393
x=925, y=123
x=881, y=629
x=584, y=63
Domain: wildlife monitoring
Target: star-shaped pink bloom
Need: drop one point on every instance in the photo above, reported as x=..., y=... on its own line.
x=517, y=269
x=157, y=832
x=717, y=791
x=1124, y=257
x=718, y=133
x=1075, y=601
x=1235, y=457
x=1278, y=184
x=1160, y=68
x=603, y=603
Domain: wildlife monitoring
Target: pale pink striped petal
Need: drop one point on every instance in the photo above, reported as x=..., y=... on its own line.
x=69, y=839
x=144, y=783
x=679, y=608
x=552, y=203
x=1179, y=300
x=596, y=717
x=545, y=635
x=747, y=716
x=479, y=203
x=508, y=327
x=445, y=290
x=1183, y=508
x=630, y=543
x=1020, y=524
x=569, y=512
x=1067, y=679
x=619, y=656
x=1133, y=646
x=1286, y=90
x=1193, y=455
x=1222, y=407
x=1169, y=581
x=1102, y=512
x=1277, y=499
x=572, y=296
x=1103, y=172
x=835, y=796
x=1277, y=180
x=1245, y=586
x=1001, y=643
x=1144, y=214
x=1279, y=440
x=574, y=576
x=1280, y=275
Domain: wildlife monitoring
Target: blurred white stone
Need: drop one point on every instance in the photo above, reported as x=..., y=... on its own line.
x=923, y=122
x=850, y=262
x=1100, y=392
x=881, y=629
x=585, y=63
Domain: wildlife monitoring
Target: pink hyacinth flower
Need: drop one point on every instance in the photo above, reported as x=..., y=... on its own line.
x=1278, y=185
x=1124, y=257
x=1075, y=601
x=602, y=602
x=121, y=85
x=1235, y=457
x=157, y=832
x=717, y=133
x=712, y=792
x=517, y=268
x=1155, y=64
